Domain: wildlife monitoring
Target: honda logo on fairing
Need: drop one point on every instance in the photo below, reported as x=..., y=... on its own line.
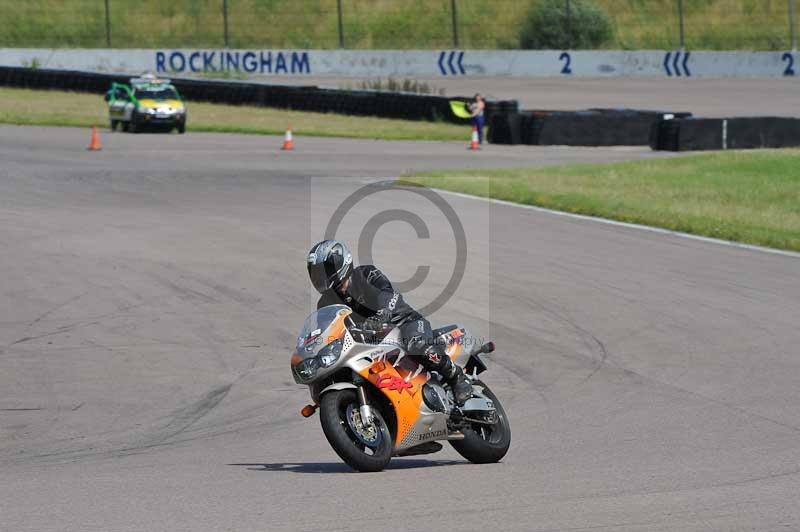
x=432, y=434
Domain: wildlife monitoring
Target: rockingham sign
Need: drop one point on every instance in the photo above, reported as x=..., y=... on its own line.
x=668, y=64
x=247, y=61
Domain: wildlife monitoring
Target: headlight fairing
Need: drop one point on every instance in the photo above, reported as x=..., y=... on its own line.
x=329, y=354
x=307, y=369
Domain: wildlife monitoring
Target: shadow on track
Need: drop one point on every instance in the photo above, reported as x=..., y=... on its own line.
x=340, y=467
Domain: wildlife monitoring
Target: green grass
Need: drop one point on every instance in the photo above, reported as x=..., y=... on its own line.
x=751, y=197
x=639, y=24
x=52, y=108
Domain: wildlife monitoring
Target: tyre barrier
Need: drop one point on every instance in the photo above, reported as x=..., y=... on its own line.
x=690, y=134
x=593, y=127
x=405, y=106
x=505, y=128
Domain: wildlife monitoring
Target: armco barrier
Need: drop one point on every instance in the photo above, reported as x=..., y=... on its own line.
x=690, y=134
x=302, y=98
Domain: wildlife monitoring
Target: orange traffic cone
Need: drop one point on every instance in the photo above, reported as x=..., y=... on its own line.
x=288, y=144
x=474, y=144
x=94, y=145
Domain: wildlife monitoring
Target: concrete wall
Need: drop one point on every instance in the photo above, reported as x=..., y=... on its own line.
x=444, y=63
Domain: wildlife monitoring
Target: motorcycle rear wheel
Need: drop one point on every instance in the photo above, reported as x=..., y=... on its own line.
x=485, y=444
x=363, y=452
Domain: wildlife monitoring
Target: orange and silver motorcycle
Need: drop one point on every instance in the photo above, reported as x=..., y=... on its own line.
x=375, y=402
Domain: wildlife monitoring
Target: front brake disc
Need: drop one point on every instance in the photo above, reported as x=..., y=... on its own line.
x=369, y=435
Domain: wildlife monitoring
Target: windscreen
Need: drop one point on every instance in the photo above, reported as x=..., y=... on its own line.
x=316, y=327
x=158, y=93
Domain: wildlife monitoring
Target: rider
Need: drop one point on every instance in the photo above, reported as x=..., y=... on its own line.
x=370, y=295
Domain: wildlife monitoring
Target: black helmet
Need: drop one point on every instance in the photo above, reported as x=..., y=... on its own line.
x=329, y=264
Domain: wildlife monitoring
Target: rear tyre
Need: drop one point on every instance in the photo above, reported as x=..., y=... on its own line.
x=485, y=444
x=362, y=448
x=114, y=125
x=181, y=128
x=126, y=126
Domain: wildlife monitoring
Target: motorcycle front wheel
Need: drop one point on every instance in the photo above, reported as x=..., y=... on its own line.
x=362, y=447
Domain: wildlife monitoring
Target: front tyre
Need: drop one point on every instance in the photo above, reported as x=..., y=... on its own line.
x=362, y=447
x=485, y=444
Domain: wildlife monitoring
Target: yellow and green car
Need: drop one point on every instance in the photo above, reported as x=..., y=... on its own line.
x=147, y=103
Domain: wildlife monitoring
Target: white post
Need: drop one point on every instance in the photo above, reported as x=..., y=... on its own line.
x=725, y=134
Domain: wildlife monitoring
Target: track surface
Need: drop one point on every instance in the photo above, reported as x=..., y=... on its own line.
x=150, y=296
x=703, y=97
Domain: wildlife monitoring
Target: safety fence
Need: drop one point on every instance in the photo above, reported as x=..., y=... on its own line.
x=394, y=24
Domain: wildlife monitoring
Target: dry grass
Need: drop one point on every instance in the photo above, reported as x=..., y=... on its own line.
x=639, y=24
x=22, y=106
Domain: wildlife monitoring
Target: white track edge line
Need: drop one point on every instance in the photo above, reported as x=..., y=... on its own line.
x=658, y=230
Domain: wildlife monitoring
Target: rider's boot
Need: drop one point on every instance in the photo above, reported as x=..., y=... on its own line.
x=462, y=389
x=437, y=359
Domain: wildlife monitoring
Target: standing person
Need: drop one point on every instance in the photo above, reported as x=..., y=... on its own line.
x=476, y=109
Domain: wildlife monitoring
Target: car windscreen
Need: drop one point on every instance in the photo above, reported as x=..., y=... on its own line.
x=165, y=93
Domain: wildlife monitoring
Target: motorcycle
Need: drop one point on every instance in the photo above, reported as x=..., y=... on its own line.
x=375, y=402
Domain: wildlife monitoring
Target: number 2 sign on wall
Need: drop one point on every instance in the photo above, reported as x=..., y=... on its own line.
x=788, y=58
x=565, y=57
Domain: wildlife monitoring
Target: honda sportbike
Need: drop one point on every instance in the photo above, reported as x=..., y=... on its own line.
x=375, y=402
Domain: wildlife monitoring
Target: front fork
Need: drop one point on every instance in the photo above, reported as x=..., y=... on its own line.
x=364, y=409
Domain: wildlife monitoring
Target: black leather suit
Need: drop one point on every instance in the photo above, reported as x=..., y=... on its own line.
x=370, y=292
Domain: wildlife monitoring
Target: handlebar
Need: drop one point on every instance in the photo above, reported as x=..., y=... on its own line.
x=387, y=328
x=375, y=335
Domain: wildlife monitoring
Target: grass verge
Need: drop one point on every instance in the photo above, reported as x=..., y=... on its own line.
x=54, y=108
x=751, y=197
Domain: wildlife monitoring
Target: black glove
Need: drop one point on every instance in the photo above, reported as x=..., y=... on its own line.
x=375, y=323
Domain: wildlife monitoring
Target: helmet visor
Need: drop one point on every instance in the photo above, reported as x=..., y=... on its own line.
x=321, y=279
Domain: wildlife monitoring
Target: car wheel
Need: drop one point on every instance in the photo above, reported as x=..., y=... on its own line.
x=113, y=125
x=126, y=126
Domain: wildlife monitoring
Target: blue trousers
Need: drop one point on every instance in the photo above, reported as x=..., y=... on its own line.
x=478, y=122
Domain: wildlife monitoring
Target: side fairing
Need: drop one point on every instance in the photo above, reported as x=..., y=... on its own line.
x=401, y=381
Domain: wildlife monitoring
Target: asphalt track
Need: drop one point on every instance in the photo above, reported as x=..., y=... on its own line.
x=702, y=97
x=150, y=294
